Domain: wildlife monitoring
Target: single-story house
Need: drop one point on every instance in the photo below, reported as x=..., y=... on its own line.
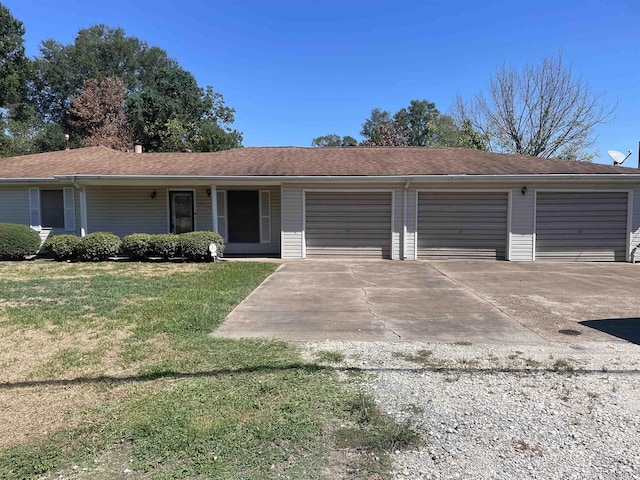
x=397, y=203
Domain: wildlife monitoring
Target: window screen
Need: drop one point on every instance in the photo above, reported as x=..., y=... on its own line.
x=52, y=208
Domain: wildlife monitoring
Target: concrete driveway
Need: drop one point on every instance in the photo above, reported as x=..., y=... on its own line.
x=449, y=301
x=568, y=302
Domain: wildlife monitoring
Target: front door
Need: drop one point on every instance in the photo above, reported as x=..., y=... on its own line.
x=181, y=212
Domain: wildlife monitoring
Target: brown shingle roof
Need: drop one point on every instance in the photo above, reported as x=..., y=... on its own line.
x=293, y=161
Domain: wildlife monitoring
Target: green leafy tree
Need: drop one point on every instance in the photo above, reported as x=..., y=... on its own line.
x=377, y=127
x=419, y=121
x=420, y=124
x=333, y=140
x=14, y=64
x=161, y=95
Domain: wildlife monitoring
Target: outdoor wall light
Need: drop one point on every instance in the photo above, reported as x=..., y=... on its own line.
x=153, y=194
x=208, y=192
x=524, y=190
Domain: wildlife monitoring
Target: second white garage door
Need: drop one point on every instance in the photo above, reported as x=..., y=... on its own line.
x=462, y=224
x=352, y=224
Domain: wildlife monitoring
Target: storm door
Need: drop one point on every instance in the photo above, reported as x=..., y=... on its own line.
x=181, y=212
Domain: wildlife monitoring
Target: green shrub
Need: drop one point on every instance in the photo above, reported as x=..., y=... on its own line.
x=165, y=245
x=136, y=245
x=18, y=241
x=195, y=245
x=98, y=246
x=62, y=247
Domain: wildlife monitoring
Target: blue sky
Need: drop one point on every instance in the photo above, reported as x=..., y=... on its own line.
x=294, y=70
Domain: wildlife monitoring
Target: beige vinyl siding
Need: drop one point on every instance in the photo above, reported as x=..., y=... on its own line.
x=202, y=201
x=271, y=248
x=522, y=225
x=126, y=210
x=14, y=204
x=635, y=224
x=292, y=222
x=398, y=227
x=410, y=243
x=581, y=226
x=339, y=223
x=462, y=224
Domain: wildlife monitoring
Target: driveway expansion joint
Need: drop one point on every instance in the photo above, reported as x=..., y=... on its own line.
x=486, y=300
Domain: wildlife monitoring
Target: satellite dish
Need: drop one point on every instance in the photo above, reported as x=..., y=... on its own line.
x=618, y=157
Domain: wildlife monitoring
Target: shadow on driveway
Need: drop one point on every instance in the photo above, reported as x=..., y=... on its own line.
x=625, y=328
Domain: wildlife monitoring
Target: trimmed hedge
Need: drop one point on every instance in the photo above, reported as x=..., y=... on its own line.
x=18, y=241
x=62, y=247
x=195, y=245
x=164, y=245
x=98, y=246
x=137, y=245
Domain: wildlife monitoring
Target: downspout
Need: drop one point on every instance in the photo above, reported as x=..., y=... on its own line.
x=404, y=218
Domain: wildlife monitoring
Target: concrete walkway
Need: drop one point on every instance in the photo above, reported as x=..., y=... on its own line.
x=370, y=300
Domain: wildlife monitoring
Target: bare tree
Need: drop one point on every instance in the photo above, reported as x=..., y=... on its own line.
x=98, y=113
x=542, y=111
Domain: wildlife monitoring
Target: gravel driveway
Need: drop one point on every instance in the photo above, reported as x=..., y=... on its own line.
x=553, y=411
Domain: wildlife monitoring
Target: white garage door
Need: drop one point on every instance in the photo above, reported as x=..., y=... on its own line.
x=462, y=224
x=348, y=224
x=576, y=226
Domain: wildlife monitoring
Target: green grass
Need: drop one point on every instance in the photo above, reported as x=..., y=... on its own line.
x=197, y=407
x=563, y=365
x=67, y=359
x=329, y=356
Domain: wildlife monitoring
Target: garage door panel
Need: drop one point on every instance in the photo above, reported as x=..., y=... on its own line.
x=470, y=223
x=585, y=226
x=348, y=224
x=462, y=225
x=579, y=233
x=346, y=208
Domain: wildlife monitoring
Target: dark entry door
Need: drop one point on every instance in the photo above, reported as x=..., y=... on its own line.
x=181, y=206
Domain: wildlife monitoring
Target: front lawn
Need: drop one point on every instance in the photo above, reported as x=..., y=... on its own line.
x=108, y=370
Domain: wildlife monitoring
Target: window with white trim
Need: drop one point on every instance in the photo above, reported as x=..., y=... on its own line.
x=245, y=215
x=52, y=208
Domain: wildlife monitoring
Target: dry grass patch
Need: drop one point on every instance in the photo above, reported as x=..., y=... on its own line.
x=39, y=354
x=33, y=412
x=49, y=377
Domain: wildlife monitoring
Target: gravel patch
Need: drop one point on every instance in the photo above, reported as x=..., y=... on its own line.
x=553, y=411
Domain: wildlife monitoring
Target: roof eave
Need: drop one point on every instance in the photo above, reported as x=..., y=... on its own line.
x=212, y=179
x=29, y=180
x=204, y=179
